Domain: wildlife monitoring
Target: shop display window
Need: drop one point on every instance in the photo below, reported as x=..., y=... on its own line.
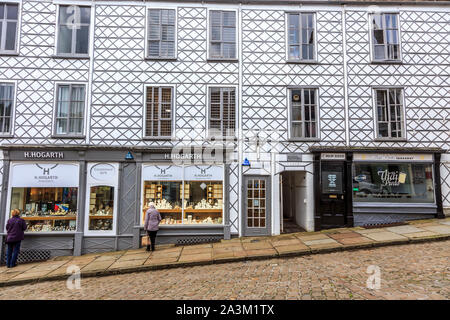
x=101, y=208
x=393, y=182
x=203, y=202
x=46, y=209
x=166, y=195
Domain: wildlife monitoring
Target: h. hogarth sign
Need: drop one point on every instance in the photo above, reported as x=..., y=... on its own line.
x=43, y=154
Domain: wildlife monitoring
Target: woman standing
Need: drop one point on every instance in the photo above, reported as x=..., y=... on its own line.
x=152, y=220
x=15, y=228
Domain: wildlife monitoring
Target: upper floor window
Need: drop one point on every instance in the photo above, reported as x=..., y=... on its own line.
x=158, y=112
x=385, y=37
x=9, y=15
x=161, y=33
x=70, y=106
x=389, y=111
x=303, y=113
x=73, y=30
x=222, y=110
x=301, y=37
x=222, y=34
x=6, y=107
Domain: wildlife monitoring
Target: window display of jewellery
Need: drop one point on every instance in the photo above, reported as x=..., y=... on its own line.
x=100, y=223
x=50, y=224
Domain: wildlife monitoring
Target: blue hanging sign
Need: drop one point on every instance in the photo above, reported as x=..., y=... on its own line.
x=129, y=156
x=246, y=163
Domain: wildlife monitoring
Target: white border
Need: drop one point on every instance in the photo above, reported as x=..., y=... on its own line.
x=13, y=110
x=91, y=182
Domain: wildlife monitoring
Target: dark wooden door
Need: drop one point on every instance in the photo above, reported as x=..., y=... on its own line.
x=332, y=194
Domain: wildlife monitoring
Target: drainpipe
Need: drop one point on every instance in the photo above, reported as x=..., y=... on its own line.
x=344, y=54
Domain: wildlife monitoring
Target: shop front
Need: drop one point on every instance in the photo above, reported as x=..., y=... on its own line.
x=190, y=199
x=375, y=187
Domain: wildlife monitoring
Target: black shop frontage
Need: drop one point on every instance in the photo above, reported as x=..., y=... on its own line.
x=373, y=186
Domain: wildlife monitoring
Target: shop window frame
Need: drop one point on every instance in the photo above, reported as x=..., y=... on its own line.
x=69, y=135
x=300, y=59
x=385, y=60
x=221, y=58
x=3, y=22
x=291, y=137
x=73, y=54
x=10, y=133
x=147, y=55
x=210, y=131
x=402, y=110
x=173, y=110
x=183, y=181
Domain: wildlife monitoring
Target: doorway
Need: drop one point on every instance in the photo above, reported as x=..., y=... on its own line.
x=257, y=214
x=293, y=195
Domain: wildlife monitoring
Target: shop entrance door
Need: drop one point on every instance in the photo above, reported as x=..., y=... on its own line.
x=257, y=216
x=332, y=195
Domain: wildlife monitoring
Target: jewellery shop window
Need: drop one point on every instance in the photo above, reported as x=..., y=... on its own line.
x=46, y=209
x=393, y=182
x=203, y=202
x=101, y=208
x=166, y=196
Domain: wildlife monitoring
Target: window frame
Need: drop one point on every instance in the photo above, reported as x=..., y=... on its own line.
x=209, y=35
x=73, y=54
x=385, y=44
x=18, y=29
x=402, y=110
x=147, y=27
x=290, y=114
x=172, y=119
x=82, y=134
x=13, y=109
x=287, y=43
x=208, y=116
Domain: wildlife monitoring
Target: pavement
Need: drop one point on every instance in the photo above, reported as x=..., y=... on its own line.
x=234, y=250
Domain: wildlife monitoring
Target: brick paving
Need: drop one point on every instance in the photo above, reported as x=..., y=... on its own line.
x=412, y=271
x=302, y=243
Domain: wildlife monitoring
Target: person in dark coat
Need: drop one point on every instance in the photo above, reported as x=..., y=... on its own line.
x=152, y=220
x=15, y=228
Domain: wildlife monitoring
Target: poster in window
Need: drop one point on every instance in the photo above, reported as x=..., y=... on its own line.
x=331, y=182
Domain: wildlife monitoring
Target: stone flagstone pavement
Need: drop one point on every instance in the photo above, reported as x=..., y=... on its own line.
x=239, y=249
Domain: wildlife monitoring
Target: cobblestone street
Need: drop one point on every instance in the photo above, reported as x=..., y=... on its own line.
x=415, y=271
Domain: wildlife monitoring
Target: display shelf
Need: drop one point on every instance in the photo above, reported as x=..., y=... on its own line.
x=100, y=217
x=50, y=218
x=203, y=210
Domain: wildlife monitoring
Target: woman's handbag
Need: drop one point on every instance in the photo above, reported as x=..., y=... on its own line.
x=146, y=240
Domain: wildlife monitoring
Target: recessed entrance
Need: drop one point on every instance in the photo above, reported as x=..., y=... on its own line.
x=293, y=200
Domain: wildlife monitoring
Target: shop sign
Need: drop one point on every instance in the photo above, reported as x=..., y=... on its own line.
x=200, y=173
x=183, y=156
x=49, y=175
x=43, y=154
x=332, y=156
x=162, y=173
x=103, y=172
x=392, y=157
x=331, y=182
x=391, y=178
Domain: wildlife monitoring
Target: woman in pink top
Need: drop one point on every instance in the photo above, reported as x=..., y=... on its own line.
x=152, y=220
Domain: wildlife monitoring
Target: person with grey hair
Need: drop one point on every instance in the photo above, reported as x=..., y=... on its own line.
x=152, y=220
x=15, y=228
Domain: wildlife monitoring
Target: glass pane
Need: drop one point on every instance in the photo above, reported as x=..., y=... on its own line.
x=154, y=16
x=297, y=130
x=166, y=196
x=41, y=208
x=216, y=18
x=85, y=14
x=77, y=110
x=216, y=33
x=229, y=34
x=294, y=52
x=154, y=32
x=379, y=52
x=12, y=11
x=215, y=50
x=378, y=37
x=383, y=130
x=167, y=49
x=293, y=21
x=393, y=182
x=76, y=126
x=82, y=40
x=2, y=11
x=229, y=50
x=10, y=43
x=153, y=48
x=229, y=19
x=377, y=21
x=61, y=126
x=101, y=208
x=204, y=204
x=64, y=40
